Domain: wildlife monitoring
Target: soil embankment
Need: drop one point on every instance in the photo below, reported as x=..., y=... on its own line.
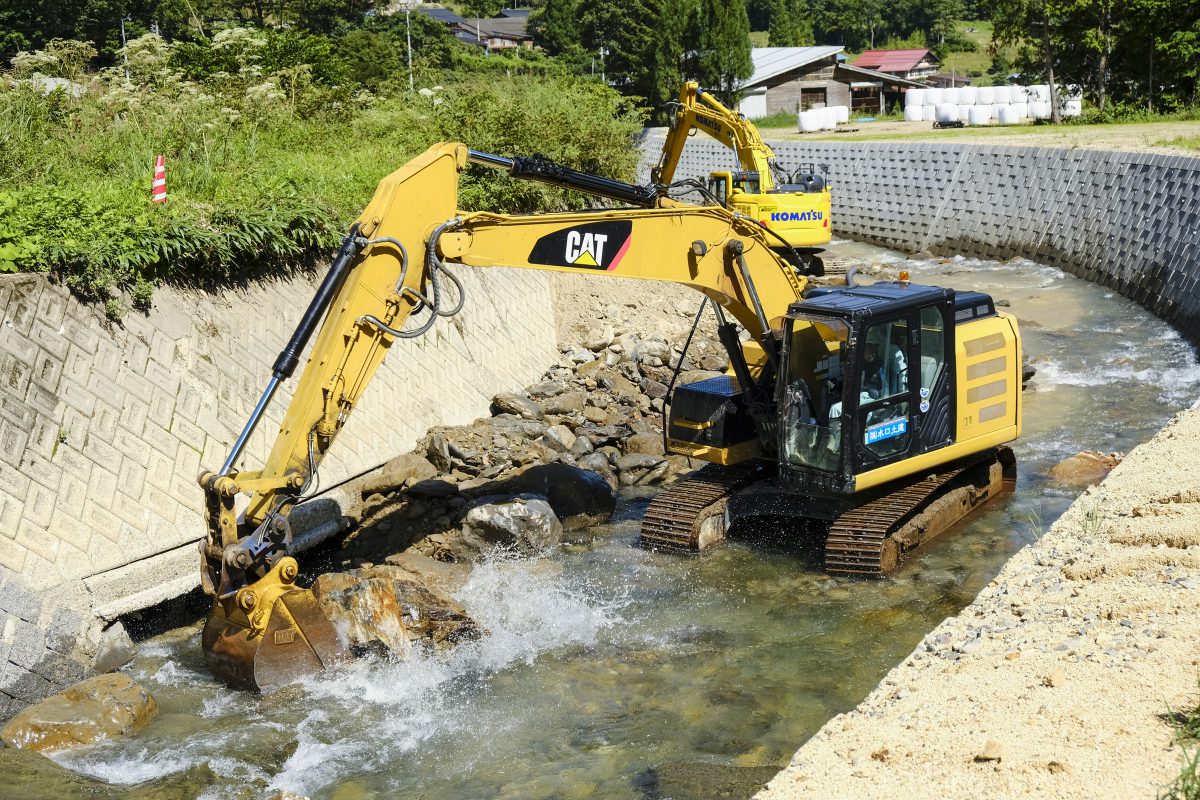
x=1059, y=680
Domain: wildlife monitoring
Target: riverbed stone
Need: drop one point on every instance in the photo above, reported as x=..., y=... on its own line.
x=95, y=709
x=527, y=524
x=578, y=496
x=383, y=609
x=394, y=474
x=521, y=406
x=1084, y=469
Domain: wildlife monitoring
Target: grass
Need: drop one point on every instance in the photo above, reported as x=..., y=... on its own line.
x=780, y=119
x=1186, y=785
x=976, y=63
x=1186, y=142
x=263, y=186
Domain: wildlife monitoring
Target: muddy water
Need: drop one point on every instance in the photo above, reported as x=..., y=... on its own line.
x=604, y=660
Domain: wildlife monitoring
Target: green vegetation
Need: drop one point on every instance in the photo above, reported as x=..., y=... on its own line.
x=780, y=119
x=972, y=60
x=1188, y=142
x=1186, y=785
x=265, y=171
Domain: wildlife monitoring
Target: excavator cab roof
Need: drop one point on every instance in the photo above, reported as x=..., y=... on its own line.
x=880, y=299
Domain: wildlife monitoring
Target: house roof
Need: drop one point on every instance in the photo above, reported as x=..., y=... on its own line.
x=772, y=61
x=441, y=14
x=875, y=75
x=516, y=13
x=893, y=60
x=506, y=27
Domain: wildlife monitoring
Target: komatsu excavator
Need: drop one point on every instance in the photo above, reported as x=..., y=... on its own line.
x=793, y=204
x=878, y=415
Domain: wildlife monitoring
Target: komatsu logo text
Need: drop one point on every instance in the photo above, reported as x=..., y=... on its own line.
x=797, y=216
x=596, y=245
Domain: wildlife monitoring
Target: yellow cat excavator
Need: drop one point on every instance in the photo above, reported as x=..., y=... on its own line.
x=794, y=204
x=878, y=415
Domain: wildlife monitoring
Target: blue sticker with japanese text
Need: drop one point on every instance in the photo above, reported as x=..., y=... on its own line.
x=887, y=430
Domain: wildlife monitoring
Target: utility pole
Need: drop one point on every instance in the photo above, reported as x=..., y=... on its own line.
x=408, y=6
x=125, y=55
x=603, y=76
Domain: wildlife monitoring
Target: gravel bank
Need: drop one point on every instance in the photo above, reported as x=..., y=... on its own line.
x=1056, y=681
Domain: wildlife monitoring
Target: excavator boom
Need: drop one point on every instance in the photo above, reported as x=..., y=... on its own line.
x=390, y=281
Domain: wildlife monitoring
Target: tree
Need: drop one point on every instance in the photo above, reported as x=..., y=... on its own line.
x=1014, y=20
x=555, y=26
x=790, y=25
x=721, y=35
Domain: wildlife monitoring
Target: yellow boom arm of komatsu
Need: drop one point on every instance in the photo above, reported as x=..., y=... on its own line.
x=390, y=281
x=697, y=108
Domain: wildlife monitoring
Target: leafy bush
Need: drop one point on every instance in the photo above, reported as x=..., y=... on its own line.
x=267, y=163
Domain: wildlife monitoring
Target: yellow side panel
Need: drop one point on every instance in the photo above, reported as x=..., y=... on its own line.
x=801, y=218
x=988, y=357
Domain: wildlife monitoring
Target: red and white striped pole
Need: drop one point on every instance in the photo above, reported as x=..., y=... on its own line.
x=158, y=189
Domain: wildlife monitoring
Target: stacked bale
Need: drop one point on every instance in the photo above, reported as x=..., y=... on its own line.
x=981, y=105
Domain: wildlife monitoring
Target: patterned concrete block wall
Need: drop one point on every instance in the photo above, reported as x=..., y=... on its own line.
x=1130, y=221
x=103, y=430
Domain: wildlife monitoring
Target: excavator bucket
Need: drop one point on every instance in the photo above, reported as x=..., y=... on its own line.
x=287, y=638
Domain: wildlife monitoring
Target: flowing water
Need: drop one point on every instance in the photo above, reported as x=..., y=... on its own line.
x=604, y=660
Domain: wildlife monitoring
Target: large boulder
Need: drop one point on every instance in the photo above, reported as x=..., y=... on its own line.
x=1084, y=469
x=384, y=609
x=648, y=443
x=578, y=496
x=527, y=524
x=395, y=473
x=91, y=711
x=565, y=403
x=521, y=406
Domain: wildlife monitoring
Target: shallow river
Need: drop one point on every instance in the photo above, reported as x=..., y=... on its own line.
x=605, y=660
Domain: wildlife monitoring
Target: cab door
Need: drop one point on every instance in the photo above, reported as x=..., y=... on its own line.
x=906, y=387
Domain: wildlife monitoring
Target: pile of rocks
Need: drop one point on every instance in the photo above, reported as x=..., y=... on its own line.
x=549, y=457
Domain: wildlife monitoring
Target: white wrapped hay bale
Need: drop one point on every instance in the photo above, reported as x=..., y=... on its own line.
x=996, y=109
x=980, y=115
x=1039, y=93
x=947, y=112
x=914, y=97
x=1039, y=109
x=1073, y=107
x=829, y=120
x=928, y=114
x=933, y=97
x=985, y=96
x=843, y=114
x=1021, y=110
x=968, y=96
x=1008, y=115
x=913, y=113
x=811, y=120
x=964, y=111
x=1002, y=95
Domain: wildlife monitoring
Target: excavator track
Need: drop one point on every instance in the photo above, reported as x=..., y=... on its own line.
x=862, y=540
x=675, y=520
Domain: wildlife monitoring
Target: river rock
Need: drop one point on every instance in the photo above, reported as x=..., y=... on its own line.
x=697, y=375
x=91, y=711
x=521, y=406
x=632, y=468
x=699, y=780
x=565, y=403
x=396, y=472
x=654, y=349
x=526, y=523
x=648, y=443
x=653, y=389
x=713, y=362
x=598, y=339
x=1084, y=469
x=383, y=609
x=559, y=438
x=577, y=496
x=443, y=576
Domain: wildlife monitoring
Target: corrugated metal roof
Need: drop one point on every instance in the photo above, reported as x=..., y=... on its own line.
x=886, y=77
x=772, y=61
x=892, y=60
x=441, y=14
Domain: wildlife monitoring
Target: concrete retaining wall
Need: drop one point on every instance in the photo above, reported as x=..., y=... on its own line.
x=1130, y=221
x=103, y=430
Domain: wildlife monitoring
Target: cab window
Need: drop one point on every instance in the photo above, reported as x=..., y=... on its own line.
x=933, y=348
x=884, y=394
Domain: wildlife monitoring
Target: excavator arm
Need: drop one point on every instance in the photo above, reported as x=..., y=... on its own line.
x=390, y=280
x=699, y=109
